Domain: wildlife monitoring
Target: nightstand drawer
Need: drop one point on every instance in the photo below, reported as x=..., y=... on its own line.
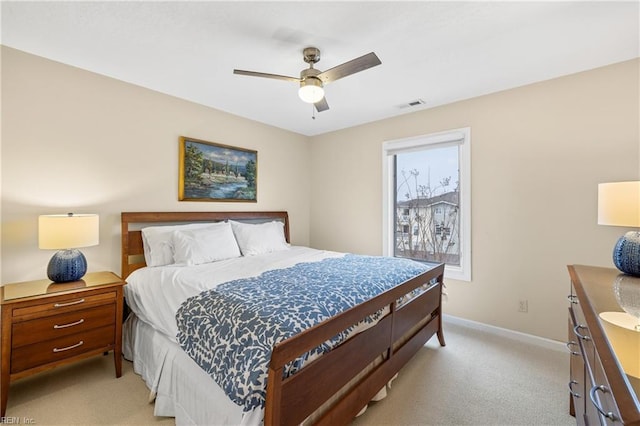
x=46, y=325
x=53, y=327
x=64, y=304
x=65, y=347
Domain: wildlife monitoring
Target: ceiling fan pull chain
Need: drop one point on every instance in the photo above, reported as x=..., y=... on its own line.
x=313, y=111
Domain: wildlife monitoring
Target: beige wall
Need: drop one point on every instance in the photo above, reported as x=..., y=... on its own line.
x=74, y=140
x=537, y=154
x=77, y=141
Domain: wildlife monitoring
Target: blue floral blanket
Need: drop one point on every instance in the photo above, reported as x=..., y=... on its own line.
x=230, y=330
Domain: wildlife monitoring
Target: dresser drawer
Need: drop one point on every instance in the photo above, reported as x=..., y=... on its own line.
x=610, y=396
x=54, y=327
x=581, y=332
x=59, y=305
x=41, y=353
x=577, y=375
x=601, y=397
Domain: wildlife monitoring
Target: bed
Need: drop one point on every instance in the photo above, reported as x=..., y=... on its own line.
x=331, y=389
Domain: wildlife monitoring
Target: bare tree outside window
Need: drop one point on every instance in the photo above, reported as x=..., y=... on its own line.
x=427, y=213
x=426, y=195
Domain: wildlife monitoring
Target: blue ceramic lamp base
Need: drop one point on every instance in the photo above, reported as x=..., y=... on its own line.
x=626, y=253
x=67, y=265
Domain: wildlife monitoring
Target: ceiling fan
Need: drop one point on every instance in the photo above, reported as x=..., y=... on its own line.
x=312, y=80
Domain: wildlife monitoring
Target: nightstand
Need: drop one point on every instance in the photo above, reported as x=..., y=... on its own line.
x=47, y=324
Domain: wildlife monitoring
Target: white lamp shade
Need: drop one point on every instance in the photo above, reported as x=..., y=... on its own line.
x=619, y=204
x=311, y=90
x=67, y=231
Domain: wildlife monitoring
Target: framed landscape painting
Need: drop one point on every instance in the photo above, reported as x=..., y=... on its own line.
x=212, y=172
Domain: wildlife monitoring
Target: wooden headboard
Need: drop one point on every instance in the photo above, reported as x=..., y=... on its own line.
x=132, y=222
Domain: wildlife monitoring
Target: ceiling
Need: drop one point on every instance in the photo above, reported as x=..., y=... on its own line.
x=439, y=52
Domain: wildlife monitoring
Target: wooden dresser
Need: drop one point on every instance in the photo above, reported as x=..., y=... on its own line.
x=47, y=324
x=602, y=388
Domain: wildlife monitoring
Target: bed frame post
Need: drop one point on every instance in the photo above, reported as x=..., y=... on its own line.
x=124, y=249
x=271, y=411
x=440, y=333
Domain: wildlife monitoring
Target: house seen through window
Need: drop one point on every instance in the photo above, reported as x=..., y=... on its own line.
x=427, y=199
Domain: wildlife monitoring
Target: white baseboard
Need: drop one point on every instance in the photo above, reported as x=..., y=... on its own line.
x=511, y=334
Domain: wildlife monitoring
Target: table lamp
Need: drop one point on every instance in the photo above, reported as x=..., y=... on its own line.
x=66, y=233
x=619, y=205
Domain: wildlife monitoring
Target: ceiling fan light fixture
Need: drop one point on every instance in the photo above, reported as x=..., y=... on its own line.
x=312, y=80
x=311, y=90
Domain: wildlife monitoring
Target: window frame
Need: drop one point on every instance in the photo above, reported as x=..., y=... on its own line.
x=455, y=137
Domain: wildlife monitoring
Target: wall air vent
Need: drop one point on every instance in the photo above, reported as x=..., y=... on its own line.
x=412, y=104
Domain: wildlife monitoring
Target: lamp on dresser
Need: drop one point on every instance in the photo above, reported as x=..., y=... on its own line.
x=67, y=233
x=619, y=205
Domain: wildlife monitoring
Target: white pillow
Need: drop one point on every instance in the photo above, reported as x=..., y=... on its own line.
x=259, y=238
x=204, y=245
x=157, y=244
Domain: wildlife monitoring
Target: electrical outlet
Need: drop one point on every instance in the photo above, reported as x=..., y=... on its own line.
x=523, y=306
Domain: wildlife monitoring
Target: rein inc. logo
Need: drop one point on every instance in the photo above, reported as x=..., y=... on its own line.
x=17, y=420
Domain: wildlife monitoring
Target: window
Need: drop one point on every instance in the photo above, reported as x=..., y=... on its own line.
x=427, y=189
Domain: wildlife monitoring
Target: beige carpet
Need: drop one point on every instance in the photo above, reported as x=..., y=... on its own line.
x=477, y=379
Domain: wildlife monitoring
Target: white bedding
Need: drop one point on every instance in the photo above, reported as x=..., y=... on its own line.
x=178, y=386
x=181, y=389
x=155, y=294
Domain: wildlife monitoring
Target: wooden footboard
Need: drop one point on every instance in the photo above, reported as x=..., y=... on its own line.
x=395, y=339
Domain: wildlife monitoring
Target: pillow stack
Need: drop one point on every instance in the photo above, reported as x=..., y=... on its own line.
x=198, y=243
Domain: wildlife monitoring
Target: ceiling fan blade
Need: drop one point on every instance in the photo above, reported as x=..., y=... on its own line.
x=265, y=75
x=321, y=105
x=353, y=66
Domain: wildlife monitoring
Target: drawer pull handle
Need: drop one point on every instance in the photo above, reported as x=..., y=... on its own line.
x=573, y=299
x=62, y=305
x=592, y=394
x=71, y=324
x=572, y=343
x=575, y=394
x=80, y=343
x=578, y=327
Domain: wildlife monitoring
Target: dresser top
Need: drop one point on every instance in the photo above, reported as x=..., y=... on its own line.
x=615, y=299
x=21, y=290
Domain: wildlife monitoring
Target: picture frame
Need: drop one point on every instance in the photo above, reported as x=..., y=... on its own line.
x=210, y=171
